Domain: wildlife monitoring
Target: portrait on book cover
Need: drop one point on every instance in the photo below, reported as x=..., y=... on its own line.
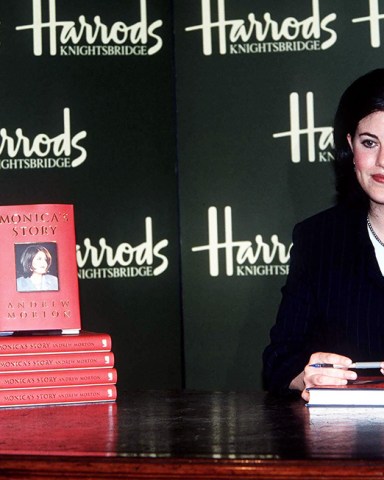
x=36, y=267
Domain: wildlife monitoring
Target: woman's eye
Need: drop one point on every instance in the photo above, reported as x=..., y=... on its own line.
x=368, y=143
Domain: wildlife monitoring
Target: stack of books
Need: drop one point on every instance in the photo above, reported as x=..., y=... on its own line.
x=51, y=369
x=45, y=356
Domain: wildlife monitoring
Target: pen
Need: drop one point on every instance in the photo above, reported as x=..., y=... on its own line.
x=352, y=365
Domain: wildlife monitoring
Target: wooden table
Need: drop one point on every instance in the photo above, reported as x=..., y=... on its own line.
x=187, y=435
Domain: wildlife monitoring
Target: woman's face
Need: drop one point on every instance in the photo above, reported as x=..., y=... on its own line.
x=368, y=150
x=40, y=263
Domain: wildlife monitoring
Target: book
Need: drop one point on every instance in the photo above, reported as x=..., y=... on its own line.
x=82, y=342
x=56, y=361
x=363, y=392
x=55, y=378
x=38, y=282
x=57, y=395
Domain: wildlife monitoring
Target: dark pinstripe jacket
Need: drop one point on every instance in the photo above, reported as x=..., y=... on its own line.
x=333, y=300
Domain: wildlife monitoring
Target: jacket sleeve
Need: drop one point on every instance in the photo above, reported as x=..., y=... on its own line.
x=294, y=337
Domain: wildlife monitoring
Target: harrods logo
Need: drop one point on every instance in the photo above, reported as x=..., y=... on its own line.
x=373, y=19
x=20, y=152
x=319, y=139
x=101, y=261
x=92, y=37
x=242, y=257
x=262, y=33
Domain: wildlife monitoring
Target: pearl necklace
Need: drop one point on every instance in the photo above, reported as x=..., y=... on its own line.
x=373, y=232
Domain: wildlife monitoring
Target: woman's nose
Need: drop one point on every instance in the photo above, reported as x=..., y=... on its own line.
x=380, y=158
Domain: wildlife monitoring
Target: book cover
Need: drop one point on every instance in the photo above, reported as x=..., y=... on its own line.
x=82, y=342
x=56, y=378
x=62, y=361
x=57, y=395
x=38, y=282
x=365, y=391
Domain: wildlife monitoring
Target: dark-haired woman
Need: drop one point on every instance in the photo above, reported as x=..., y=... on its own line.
x=332, y=309
x=36, y=261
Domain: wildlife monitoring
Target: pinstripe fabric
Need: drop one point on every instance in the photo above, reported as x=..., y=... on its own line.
x=333, y=300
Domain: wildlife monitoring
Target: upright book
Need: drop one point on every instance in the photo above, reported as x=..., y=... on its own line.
x=366, y=391
x=38, y=282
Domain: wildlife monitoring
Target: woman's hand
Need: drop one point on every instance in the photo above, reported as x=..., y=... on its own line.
x=315, y=376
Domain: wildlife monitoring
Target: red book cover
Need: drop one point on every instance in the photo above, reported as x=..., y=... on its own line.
x=63, y=361
x=56, y=378
x=38, y=282
x=58, y=395
x=81, y=342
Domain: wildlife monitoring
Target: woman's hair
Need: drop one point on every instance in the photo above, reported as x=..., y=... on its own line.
x=29, y=254
x=363, y=97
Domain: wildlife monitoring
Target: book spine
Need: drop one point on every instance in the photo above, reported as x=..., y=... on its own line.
x=57, y=395
x=82, y=342
x=54, y=361
x=55, y=378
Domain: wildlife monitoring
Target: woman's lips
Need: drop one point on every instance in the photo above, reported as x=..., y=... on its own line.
x=378, y=178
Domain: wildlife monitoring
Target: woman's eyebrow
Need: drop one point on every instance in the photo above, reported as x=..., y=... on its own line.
x=368, y=134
